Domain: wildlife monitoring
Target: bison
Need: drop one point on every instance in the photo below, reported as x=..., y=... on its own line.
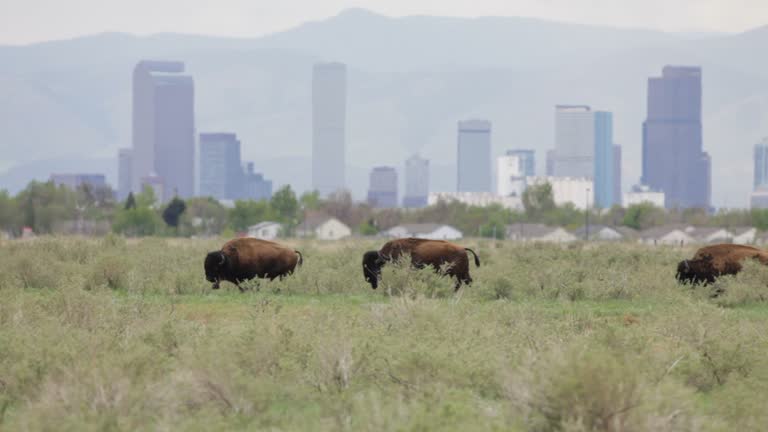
x=423, y=252
x=712, y=261
x=246, y=258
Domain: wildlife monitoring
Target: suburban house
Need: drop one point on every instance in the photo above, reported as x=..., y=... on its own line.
x=709, y=234
x=601, y=232
x=266, y=230
x=539, y=233
x=666, y=235
x=425, y=230
x=323, y=227
x=744, y=235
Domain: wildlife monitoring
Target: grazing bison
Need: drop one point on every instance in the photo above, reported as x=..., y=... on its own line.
x=246, y=258
x=435, y=253
x=712, y=261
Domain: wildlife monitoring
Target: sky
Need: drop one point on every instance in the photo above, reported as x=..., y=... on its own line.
x=29, y=21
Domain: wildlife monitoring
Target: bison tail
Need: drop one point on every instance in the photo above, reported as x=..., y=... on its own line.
x=477, y=260
x=301, y=257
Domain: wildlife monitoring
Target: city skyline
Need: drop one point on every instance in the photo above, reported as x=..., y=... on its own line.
x=329, y=127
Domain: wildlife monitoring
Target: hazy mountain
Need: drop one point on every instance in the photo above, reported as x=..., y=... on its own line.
x=410, y=80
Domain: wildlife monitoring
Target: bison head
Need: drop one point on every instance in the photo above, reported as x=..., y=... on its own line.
x=214, y=266
x=695, y=271
x=372, y=263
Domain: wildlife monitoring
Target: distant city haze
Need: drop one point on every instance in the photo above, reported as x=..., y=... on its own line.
x=408, y=81
x=26, y=21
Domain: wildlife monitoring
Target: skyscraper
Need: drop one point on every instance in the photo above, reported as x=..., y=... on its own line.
x=256, y=187
x=329, y=117
x=617, y=195
x=674, y=161
x=124, y=173
x=527, y=161
x=604, y=160
x=164, y=127
x=474, y=156
x=221, y=172
x=510, y=175
x=574, y=141
x=382, y=190
x=761, y=164
x=416, y=182
x=584, y=148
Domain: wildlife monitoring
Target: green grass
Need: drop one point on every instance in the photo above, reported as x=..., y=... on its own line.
x=109, y=334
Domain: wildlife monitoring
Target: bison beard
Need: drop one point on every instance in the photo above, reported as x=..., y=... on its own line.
x=423, y=253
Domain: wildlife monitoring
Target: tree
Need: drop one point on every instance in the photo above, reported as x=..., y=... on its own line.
x=285, y=205
x=174, y=210
x=538, y=200
x=643, y=215
x=146, y=198
x=310, y=200
x=130, y=202
x=247, y=213
x=204, y=216
x=139, y=221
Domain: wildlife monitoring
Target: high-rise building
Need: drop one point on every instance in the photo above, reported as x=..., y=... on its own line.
x=584, y=148
x=329, y=117
x=382, y=190
x=674, y=161
x=164, y=127
x=574, y=154
x=221, y=172
x=256, y=187
x=510, y=175
x=761, y=164
x=474, y=156
x=416, y=182
x=124, y=173
x=617, y=196
x=549, y=169
x=527, y=160
x=604, y=176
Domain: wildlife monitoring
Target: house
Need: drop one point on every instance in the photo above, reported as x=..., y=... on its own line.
x=666, y=235
x=599, y=232
x=424, y=230
x=323, y=227
x=744, y=235
x=539, y=233
x=266, y=230
x=709, y=234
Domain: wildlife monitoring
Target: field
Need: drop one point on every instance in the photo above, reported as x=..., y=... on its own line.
x=115, y=334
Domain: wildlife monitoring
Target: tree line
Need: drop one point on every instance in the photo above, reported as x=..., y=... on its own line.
x=46, y=209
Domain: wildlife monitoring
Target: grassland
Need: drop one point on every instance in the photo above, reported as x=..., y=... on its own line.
x=109, y=334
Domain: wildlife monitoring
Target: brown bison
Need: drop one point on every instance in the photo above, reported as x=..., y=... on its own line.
x=712, y=261
x=423, y=252
x=246, y=258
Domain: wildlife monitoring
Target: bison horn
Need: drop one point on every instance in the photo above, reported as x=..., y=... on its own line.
x=223, y=258
x=687, y=267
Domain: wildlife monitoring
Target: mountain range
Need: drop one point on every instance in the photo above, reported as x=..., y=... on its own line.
x=66, y=104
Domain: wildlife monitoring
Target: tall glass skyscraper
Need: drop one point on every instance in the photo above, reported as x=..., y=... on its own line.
x=761, y=164
x=221, y=173
x=382, y=190
x=164, y=127
x=416, y=182
x=474, y=156
x=604, y=160
x=329, y=118
x=674, y=161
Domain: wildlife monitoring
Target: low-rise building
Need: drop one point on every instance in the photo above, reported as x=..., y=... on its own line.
x=744, y=235
x=477, y=199
x=666, y=235
x=323, y=227
x=424, y=230
x=539, y=233
x=599, y=232
x=578, y=191
x=266, y=230
x=643, y=194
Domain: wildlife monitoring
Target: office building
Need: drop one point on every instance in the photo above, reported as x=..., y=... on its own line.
x=124, y=173
x=578, y=191
x=164, y=127
x=640, y=194
x=382, y=190
x=474, y=156
x=617, y=175
x=416, y=182
x=527, y=161
x=674, y=161
x=510, y=175
x=221, y=172
x=255, y=186
x=329, y=117
x=761, y=164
